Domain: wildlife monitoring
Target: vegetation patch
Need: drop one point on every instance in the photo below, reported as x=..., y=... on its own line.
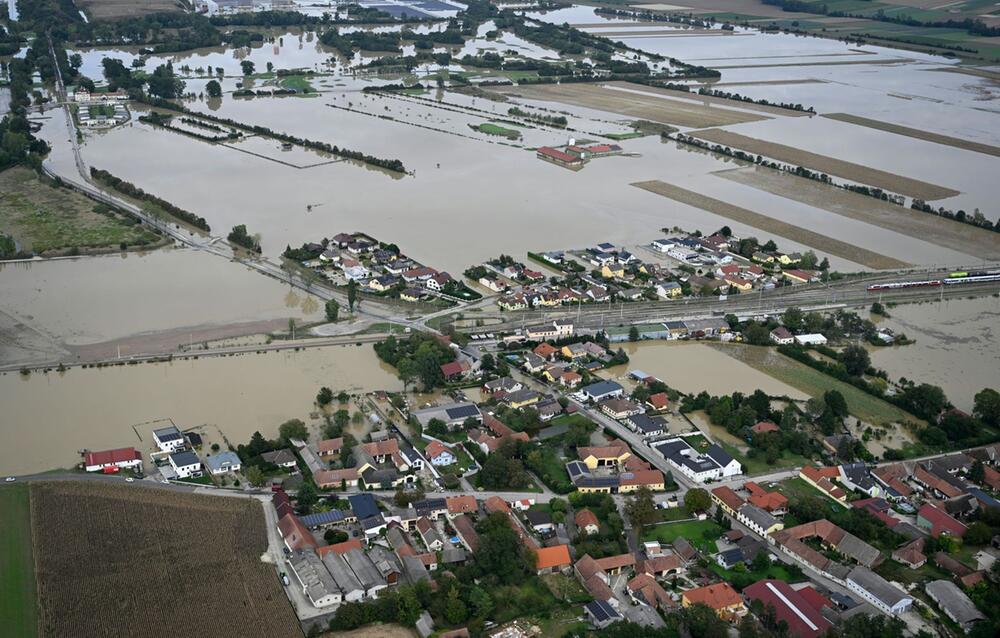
x=495, y=129
x=42, y=218
x=702, y=534
x=17, y=569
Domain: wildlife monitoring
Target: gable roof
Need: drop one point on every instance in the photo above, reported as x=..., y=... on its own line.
x=549, y=557
x=803, y=619
x=717, y=596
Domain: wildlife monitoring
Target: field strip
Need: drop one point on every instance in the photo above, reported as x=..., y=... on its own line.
x=916, y=133
x=703, y=99
x=828, y=63
x=647, y=107
x=829, y=165
x=767, y=83
x=770, y=225
x=940, y=231
x=672, y=33
x=799, y=56
x=965, y=70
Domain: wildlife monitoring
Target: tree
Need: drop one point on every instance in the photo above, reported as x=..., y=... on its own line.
x=640, y=509
x=306, y=496
x=760, y=562
x=293, y=429
x=697, y=500
x=986, y=407
x=162, y=83
x=343, y=397
x=499, y=555
x=978, y=473
x=255, y=475
x=979, y=533
x=352, y=294
x=408, y=608
x=855, y=360
x=334, y=536
x=325, y=396
x=836, y=403
x=488, y=363
x=247, y=67
x=701, y=621
x=455, y=611
x=332, y=310
x=792, y=318
x=213, y=88
x=633, y=334
x=925, y=400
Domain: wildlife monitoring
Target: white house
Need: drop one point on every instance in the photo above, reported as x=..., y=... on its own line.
x=186, y=464
x=168, y=439
x=662, y=245
x=782, y=336
x=223, y=462
x=121, y=458
x=877, y=591
x=439, y=455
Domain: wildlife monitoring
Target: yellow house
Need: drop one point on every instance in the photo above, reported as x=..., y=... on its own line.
x=573, y=351
x=612, y=271
x=721, y=597
x=632, y=481
x=409, y=295
x=784, y=259
x=604, y=456
x=515, y=402
x=796, y=276
x=739, y=283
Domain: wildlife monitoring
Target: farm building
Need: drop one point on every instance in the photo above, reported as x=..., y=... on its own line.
x=121, y=458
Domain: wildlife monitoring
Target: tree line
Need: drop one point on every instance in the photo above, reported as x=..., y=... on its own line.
x=133, y=191
x=388, y=164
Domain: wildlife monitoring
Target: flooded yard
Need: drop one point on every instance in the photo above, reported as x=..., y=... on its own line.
x=955, y=349
x=49, y=417
x=692, y=367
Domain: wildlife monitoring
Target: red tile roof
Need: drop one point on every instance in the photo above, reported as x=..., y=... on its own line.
x=451, y=369
x=340, y=548
x=557, y=154
x=295, y=534
x=584, y=518
x=549, y=557
x=940, y=521
x=802, y=618
x=717, y=596
x=764, y=426
x=108, y=457
x=728, y=497
x=461, y=504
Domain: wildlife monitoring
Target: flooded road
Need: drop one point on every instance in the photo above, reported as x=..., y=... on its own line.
x=956, y=346
x=49, y=417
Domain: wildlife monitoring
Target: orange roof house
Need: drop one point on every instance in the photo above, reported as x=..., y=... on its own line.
x=549, y=559
x=720, y=597
x=768, y=501
x=461, y=504
x=822, y=479
x=586, y=521
x=545, y=350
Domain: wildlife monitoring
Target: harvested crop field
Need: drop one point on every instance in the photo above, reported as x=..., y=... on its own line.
x=132, y=561
x=916, y=133
x=829, y=165
x=706, y=99
x=933, y=229
x=375, y=631
x=647, y=107
x=822, y=243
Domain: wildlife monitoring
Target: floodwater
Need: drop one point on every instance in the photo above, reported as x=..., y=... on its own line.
x=88, y=300
x=692, y=367
x=955, y=349
x=49, y=417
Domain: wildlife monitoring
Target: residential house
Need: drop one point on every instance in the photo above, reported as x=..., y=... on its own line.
x=328, y=448
x=720, y=597
x=168, y=439
x=937, y=521
x=644, y=589
x=466, y=532
x=782, y=336
x=295, y=534
x=612, y=455
x=727, y=499
x=223, y=462
x=429, y=534
x=764, y=427
x=645, y=425
x=911, y=554
x=549, y=560
x=120, y=458
x=586, y=522
x=601, y=613
x=774, y=502
x=282, y=458
x=540, y=521
x=822, y=479
x=620, y=409
x=185, y=464
x=757, y=520
x=439, y=454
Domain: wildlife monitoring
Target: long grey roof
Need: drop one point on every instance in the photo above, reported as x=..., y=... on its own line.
x=954, y=601
x=314, y=575
x=758, y=516
x=363, y=567
x=877, y=586
x=342, y=573
x=720, y=456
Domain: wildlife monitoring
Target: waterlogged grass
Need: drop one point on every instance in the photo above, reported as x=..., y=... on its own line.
x=43, y=218
x=495, y=129
x=298, y=83
x=624, y=136
x=17, y=571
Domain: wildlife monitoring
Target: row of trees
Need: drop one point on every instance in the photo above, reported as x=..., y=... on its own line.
x=133, y=191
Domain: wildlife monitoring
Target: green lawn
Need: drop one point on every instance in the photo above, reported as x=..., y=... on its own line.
x=759, y=465
x=17, y=571
x=623, y=136
x=701, y=534
x=298, y=83
x=777, y=571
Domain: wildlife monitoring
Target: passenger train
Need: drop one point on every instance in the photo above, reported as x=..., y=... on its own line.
x=971, y=277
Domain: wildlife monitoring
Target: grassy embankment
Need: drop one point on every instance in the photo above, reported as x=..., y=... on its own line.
x=494, y=129
x=17, y=569
x=48, y=219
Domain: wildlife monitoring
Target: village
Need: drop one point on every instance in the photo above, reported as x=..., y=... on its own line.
x=616, y=494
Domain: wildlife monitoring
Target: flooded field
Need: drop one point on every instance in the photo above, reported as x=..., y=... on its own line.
x=692, y=367
x=49, y=417
x=955, y=349
x=77, y=303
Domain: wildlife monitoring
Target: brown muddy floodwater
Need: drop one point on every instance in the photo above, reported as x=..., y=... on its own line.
x=77, y=302
x=48, y=418
x=692, y=367
x=956, y=346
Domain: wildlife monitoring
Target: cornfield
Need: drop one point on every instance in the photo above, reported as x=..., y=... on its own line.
x=116, y=560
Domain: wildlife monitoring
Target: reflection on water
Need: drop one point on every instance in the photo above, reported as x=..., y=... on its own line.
x=956, y=346
x=49, y=417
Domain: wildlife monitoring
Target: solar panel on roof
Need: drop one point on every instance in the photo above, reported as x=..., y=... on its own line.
x=322, y=518
x=462, y=411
